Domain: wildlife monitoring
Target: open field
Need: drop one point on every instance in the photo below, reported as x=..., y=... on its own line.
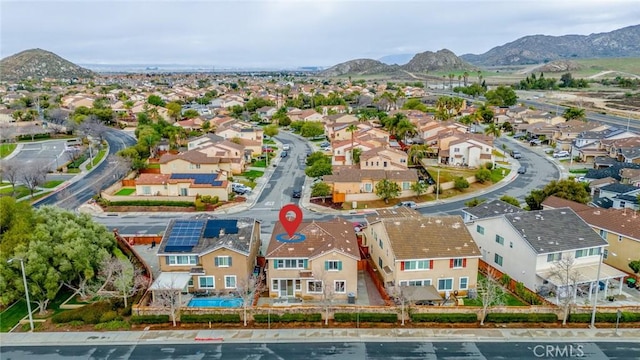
x=595, y=66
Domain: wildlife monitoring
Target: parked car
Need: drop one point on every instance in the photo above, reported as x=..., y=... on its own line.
x=297, y=194
x=324, y=144
x=522, y=170
x=409, y=204
x=516, y=154
x=267, y=149
x=561, y=154
x=359, y=226
x=286, y=147
x=284, y=154
x=240, y=189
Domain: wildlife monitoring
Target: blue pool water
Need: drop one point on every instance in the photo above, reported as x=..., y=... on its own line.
x=216, y=302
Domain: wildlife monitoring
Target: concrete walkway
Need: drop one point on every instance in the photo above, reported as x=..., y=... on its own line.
x=180, y=336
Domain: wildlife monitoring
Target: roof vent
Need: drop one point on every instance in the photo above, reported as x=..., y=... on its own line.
x=396, y=223
x=310, y=249
x=581, y=238
x=291, y=249
x=422, y=225
x=222, y=232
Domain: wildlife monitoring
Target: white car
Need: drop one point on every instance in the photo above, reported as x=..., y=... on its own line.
x=286, y=147
x=561, y=154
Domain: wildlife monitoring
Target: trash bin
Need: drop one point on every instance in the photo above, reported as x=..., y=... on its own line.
x=351, y=298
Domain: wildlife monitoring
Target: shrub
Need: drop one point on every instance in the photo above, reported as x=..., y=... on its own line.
x=288, y=317
x=483, y=175
x=89, y=314
x=200, y=206
x=109, y=316
x=113, y=325
x=460, y=183
x=604, y=317
x=488, y=165
x=149, y=319
x=214, y=318
x=526, y=295
x=445, y=318
x=524, y=317
x=366, y=317
x=150, y=203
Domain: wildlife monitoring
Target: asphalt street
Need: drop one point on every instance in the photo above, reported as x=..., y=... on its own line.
x=334, y=350
x=49, y=152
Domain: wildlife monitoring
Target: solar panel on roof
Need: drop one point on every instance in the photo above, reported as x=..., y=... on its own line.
x=213, y=227
x=184, y=235
x=197, y=178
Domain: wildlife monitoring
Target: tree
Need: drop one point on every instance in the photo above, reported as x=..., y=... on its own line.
x=493, y=130
x=490, y=293
x=474, y=202
x=174, y=110
x=483, y=175
x=321, y=189
x=247, y=289
x=565, y=272
x=419, y=187
x=12, y=172
x=319, y=168
x=635, y=266
x=155, y=100
x=271, y=130
x=355, y=153
x=510, y=200
x=126, y=280
x=386, y=190
x=312, y=129
x=417, y=153
x=484, y=114
x=501, y=96
x=566, y=189
x=92, y=126
x=190, y=114
x=396, y=293
x=34, y=175
x=460, y=183
x=352, y=128
x=574, y=113
x=169, y=299
x=405, y=128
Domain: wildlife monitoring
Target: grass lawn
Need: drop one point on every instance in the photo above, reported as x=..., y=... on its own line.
x=10, y=317
x=449, y=174
x=21, y=191
x=252, y=174
x=73, y=171
x=579, y=171
x=125, y=192
x=509, y=300
x=153, y=166
x=51, y=184
x=6, y=149
x=496, y=174
x=40, y=196
x=268, y=142
x=97, y=159
x=260, y=164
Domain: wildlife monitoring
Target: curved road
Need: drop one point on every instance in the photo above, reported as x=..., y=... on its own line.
x=85, y=187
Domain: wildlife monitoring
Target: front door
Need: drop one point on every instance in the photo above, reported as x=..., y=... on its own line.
x=286, y=288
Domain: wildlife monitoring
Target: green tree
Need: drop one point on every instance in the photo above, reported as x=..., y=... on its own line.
x=510, y=200
x=356, y=152
x=174, y=110
x=312, y=129
x=319, y=168
x=320, y=189
x=483, y=175
x=417, y=153
x=352, y=128
x=414, y=104
x=190, y=114
x=474, y=202
x=566, y=189
x=419, y=187
x=155, y=100
x=405, y=128
x=492, y=130
x=386, y=190
x=484, y=114
x=317, y=156
x=501, y=96
x=634, y=265
x=460, y=183
x=574, y=113
x=271, y=130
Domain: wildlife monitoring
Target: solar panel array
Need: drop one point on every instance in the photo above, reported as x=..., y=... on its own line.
x=213, y=227
x=184, y=235
x=199, y=178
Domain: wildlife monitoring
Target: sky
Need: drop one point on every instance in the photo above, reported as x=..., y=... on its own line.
x=263, y=33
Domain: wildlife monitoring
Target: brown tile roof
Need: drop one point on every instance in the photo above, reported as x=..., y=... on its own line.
x=321, y=237
x=349, y=174
x=393, y=213
x=192, y=156
x=621, y=221
x=554, y=202
x=430, y=238
x=152, y=179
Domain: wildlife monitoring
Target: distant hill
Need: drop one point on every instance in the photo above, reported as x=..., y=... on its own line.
x=37, y=64
x=537, y=49
x=442, y=60
x=397, y=59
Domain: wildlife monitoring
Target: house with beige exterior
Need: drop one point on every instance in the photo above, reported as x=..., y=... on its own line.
x=324, y=262
x=213, y=255
x=226, y=157
x=424, y=251
x=240, y=130
x=383, y=158
x=350, y=183
x=188, y=185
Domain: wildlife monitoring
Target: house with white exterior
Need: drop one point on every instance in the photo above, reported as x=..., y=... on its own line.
x=527, y=246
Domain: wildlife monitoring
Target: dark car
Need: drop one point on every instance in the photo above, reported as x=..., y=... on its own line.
x=297, y=194
x=522, y=170
x=284, y=154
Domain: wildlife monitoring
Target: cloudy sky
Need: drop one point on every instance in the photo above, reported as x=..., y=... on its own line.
x=263, y=33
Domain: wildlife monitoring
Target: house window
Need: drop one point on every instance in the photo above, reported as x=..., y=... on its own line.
x=223, y=261
x=230, y=282
x=497, y=259
x=605, y=255
x=314, y=286
x=406, y=185
x=298, y=285
x=499, y=239
x=333, y=265
x=146, y=190
x=380, y=262
x=190, y=284
x=366, y=163
x=594, y=251
x=619, y=238
x=464, y=283
x=403, y=160
x=511, y=244
x=380, y=243
x=479, y=229
x=206, y=282
x=425, y=282
x=603, y=234
x=457, y=263
x=445, y=284
x=340, y=286
x=416, y=265
x=554, y=257
x=622, y=204
x=368, y=187
x=274, y=284
x=184, y=191
x=384, y=164
x=290, y=264
x=456, y=150
x=182, y=260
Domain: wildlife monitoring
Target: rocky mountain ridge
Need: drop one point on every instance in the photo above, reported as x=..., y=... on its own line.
x=38, y=64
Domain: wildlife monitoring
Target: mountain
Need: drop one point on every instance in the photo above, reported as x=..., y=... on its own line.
x=37, y=64
x=442, y=60
x=536, y=49
x=397, y=59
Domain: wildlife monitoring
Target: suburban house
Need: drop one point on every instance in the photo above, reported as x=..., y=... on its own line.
x=241, y=130
x=266, y=112
x=213, y=255
x=425, y=251
x=471, y=150
x=630, y=177
x=304, y=115
x=207, y=157
x=619, y=227
x=178, y=184
x=382, y=158
x=342, y=150
x=487, y=209
x=353, y=184
x=527, y=246
x=620, y=195
x=396, y=212
x=567, y=132
x=324, y=264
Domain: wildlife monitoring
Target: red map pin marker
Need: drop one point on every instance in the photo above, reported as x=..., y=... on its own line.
x=290, y=225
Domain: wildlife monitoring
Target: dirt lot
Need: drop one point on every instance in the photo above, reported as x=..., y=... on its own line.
x=616, y=102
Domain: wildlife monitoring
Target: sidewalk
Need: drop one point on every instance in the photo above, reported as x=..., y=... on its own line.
x=180, y=336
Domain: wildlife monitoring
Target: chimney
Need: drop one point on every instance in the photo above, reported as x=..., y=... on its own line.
x=221, y=232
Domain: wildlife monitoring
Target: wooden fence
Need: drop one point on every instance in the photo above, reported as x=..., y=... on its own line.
x=377, y=280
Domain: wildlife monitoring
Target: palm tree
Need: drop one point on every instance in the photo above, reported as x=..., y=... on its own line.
x=405, y=128
x=451, y=76
x=417, y=152
x=479, y=76
x=466, y=77
x=391, y=123
x=459, y=78
x=493, y=130
x=352, y=129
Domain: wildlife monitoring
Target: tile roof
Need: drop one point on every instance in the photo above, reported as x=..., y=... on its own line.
x=430, y=238
x=152, y=179
x=554, y=202
x=321, y=238
x=349, y=174
x=194, y=157
x=619, y=188
x=491, y=208
x=621, y=221
x=393, y=213
x=554, y=230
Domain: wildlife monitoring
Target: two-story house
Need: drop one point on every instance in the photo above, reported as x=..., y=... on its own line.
x=207, y=254
x=353, y=184
x=382, y=158
x=434, y=250
x=488, y=209
x=188, y=185
x=322, y=260
x=527, y=246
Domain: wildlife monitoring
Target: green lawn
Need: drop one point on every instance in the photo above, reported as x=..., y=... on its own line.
x=40, y=196
x=97, y=159
x=509, y=300
x=579, y=171
x=153, y=166
x=268, y=142
x=125, y=192
x=252, y=174
x=10, y=317
x=21, y=191
x=260, y=164
x=496, y=174
x=73, y=171
x=6, y=149
x=51, y=184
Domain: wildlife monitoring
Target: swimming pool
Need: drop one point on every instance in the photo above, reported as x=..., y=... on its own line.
x=216, y=302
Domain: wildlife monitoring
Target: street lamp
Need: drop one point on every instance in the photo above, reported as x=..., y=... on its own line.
x=595, y=300
x=26, y=290
x=438, y=186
